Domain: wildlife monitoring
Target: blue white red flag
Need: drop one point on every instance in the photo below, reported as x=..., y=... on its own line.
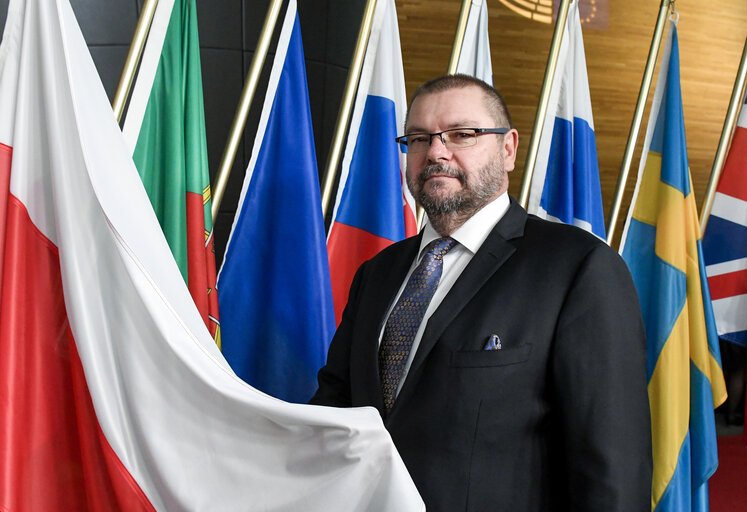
x=725, y=242
x=565, y=185
x=474, y=57
x=373, y=208
x=274, y=283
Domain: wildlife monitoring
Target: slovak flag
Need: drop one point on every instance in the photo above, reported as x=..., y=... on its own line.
x=725, y=242
x=565, y=185
x=373, y=208
x=474, y=58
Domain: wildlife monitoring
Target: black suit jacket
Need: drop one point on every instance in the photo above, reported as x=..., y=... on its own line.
x=558, y=419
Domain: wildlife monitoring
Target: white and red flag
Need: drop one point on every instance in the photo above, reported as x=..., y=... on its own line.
x=113, y=395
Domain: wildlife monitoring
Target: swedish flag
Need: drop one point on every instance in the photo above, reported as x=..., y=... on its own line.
x=661, y=245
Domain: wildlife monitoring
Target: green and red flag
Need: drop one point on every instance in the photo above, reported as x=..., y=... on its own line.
x=165, y=127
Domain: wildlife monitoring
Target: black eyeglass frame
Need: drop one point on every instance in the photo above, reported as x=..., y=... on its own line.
x=402, y=141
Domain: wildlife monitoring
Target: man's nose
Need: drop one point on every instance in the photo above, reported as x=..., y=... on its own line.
x=437, y=149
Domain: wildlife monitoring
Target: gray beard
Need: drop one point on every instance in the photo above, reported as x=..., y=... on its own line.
x=447, y=214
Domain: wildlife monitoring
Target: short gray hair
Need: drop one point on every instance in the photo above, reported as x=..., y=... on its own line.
x=493, y=99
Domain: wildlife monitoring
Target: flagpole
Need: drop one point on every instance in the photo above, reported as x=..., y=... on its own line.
x=544, y=100
x=133, y=57
x=461, y=29
x=635, y=126
x=456, y=52
x=343, y=116
x=737, y=96
x=245, y=102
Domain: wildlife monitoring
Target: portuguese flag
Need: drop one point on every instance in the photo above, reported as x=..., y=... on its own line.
x=165, y=127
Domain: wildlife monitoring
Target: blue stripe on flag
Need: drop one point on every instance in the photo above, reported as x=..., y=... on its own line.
x=661, y=288
x=571, y=190
x=688, y=488
x=367, y=184
x=724, y=241
x=275, y=296
x=702, y=426
x=671, y=135
x=677, y=495
x=738, y=337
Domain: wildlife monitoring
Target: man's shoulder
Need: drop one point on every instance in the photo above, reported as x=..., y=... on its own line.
x=398, y=250
x=557, y=234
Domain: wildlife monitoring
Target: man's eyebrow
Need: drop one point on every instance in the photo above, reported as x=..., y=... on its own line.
x=450, y=126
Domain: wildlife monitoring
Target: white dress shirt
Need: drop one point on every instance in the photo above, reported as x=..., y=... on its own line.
x=469, y=237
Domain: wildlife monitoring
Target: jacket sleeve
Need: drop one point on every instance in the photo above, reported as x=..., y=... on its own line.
x=599, y=387
x=334, y=377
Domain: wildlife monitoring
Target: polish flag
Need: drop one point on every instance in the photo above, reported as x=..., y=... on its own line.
x=113, y=395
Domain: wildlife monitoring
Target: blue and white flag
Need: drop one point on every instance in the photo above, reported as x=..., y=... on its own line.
x=565, y=185
x=274, y=283
x=474, y=58
x=373, y=208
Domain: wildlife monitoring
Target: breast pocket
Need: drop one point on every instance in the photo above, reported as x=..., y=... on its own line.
x=486, y=358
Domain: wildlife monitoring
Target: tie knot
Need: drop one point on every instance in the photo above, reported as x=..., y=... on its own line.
x=439, y=247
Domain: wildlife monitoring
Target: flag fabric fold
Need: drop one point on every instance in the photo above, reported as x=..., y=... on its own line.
x=725, y=241
x=565, y=184
x=474, y=57
x=165, y=127
x=113, y=395
x=373, y=207
x=274, y=284
x=661, y=245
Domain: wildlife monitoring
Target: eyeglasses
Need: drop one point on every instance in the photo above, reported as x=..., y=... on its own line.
x=455, y=138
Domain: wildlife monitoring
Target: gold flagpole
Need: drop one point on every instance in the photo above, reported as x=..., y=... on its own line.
x=737, y=96
x=461, y=29
x=544, y=100
x=346, y=107
x=133, y=57
x=456, y=51
x=245, y=102
x=635, y=126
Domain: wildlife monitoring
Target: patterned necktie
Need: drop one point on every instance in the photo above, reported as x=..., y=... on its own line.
x=407, y=316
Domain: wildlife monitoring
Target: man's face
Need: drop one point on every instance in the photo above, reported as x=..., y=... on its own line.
x=460, y=180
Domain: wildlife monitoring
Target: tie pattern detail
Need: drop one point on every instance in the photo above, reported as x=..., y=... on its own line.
x=407, y=315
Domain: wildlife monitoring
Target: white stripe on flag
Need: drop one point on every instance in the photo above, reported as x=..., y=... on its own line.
x=730, y=312
x=474, y=57
x=726, y=267
x=730, y=208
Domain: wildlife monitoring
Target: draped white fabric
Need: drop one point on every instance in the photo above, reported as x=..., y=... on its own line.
x=191, y=433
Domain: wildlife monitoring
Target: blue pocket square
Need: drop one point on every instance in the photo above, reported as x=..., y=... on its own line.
x=493, y=343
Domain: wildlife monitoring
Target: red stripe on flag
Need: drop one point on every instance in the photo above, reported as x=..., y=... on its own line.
x=53, y=454
x=728, y=285
x=348, y=247
x=201, y=263
x=733, y=182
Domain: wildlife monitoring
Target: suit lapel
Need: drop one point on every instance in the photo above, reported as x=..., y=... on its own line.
x=492, y=254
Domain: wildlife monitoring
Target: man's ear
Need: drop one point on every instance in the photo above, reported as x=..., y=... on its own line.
x=509, y=147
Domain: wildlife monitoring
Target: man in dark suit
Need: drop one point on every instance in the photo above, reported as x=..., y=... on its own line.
x=505, y=353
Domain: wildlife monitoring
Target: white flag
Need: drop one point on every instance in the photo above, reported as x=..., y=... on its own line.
x=474, y=59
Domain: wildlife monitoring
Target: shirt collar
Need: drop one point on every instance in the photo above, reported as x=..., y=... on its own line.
x=472, y=233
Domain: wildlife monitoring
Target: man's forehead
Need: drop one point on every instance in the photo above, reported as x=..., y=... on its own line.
x=452, y=108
